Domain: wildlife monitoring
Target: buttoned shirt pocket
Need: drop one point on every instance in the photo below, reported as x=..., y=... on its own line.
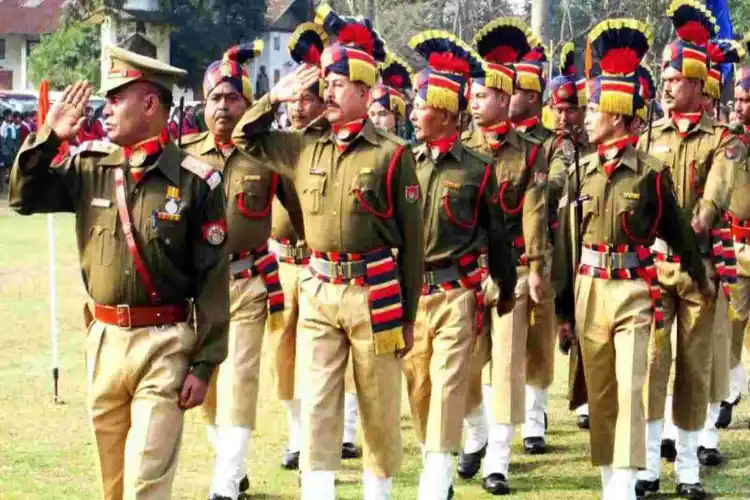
x=697, y=173
x=100, y=247
x=252, y=196
x=364, y=192
x=459, y=203
x=311, y=194
x=590, y=213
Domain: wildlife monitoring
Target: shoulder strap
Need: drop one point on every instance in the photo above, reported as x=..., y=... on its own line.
x=202, y=170
x=127, y=228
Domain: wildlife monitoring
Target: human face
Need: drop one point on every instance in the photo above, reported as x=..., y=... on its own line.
x=708, y=105
x=224, y=108
x=568, y=117
x=131, y=112
x=742, y=105
x=599, y=125
x=382, y=117
x=429, y=123
x=681, y=95
x=488, y=106
x=522, y=104
x=305, y=110
x=345, y=100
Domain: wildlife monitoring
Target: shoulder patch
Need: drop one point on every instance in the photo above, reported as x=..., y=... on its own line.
x=391, y=137
x=202, y=170
x=192, y=138
x=91, y=148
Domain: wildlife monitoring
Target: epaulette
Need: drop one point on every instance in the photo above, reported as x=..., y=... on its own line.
x=92, y=148
x=202, y=170
x=585, y=164
x=485, y=158
x=528, y=137
x=192, y=138
x=391, y=137
x=651, y=162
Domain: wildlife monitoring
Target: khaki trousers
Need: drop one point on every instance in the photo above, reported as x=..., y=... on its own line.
x=232, y=398
x=741, y=304
x=479, y=374
x=613, y=319
x=437, y=367
x=683, y=303
x=286, y=374
x=334, y=322
x=134, y=378
x=542, y=337
x=509, y=340
x=718, y=384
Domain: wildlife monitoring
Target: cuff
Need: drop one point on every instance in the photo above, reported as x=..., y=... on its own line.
x=203, y=371
x=536, y=266
x=708, y=211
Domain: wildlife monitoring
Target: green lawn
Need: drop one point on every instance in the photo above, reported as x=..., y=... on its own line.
x=46, y=450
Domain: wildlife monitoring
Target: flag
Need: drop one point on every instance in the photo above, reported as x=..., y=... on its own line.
x=720, y=11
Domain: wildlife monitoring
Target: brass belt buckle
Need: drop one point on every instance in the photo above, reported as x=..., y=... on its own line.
x=123, y=315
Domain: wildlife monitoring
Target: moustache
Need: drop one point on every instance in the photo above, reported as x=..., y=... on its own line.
x=331, y=104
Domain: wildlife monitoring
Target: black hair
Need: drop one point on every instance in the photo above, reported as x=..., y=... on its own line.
x=6, y=113
x=15, y=115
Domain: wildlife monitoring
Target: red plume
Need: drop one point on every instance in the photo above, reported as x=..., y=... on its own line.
x=621, y=60
x=502, y=54
x=448, y=62
x=694, y=32
x=357, y=34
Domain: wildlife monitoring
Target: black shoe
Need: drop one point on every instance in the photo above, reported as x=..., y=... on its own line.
x=244, y=484
x=583, y=422
x=219, y=497
x=289, y=461
x=496, y=484
x=691, y=491
x=668, y=450
x=349, y=450
x=534, y=445
x=450, y=492
x=709, y=457
x=643, y=486
x=469, y=463
x=724, y=420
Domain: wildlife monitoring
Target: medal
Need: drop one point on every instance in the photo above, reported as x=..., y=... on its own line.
x=137, y=157
x=172, y=207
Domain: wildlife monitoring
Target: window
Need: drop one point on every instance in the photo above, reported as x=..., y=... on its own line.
x=276, y=43
x=30, y=46
x=2, y=48
x=276, y=76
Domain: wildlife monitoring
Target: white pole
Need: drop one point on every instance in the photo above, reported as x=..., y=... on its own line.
x=53, y=303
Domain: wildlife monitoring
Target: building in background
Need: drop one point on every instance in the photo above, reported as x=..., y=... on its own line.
x=282, y=17
x=22, y=22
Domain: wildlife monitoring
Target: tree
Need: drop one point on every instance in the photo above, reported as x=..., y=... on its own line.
x=204, y=29
x=66, y=56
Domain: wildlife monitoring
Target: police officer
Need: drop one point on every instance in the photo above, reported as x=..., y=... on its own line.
x=358, y=189
x=255, y=289
x=151, y=233
x=568, y=97
x=617, y=202
x=702, y=156
x=461, y=220
x=525, y=113
x=739, y=216
x=305, y=47
x=522, y=175
x=388, y=101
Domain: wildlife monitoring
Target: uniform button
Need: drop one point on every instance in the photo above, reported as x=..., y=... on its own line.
x=127, y=272
x=135, y=191
x=333, y=212
x=167, y=241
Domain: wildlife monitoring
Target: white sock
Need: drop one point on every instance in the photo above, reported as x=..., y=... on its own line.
x=670, y=430
x=536, y=403
x=497, y=459
x=319, y=485
x=605, y=471
x=709, y=436
x=737, y=383
x=294, y=424
x=350, y=417
x=583, y=410
x=622, y=484
x=475, y=430
x=376, y=488
x=231, y=460
x=211, y=435
x=687, y=466
x=653, y=451
x=437, y=476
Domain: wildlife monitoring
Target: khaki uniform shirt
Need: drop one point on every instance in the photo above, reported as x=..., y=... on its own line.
x=703, y=165
x=182, y=262
x=326, y=181
x=249, y=193
x=620, y=209
x=739, y=203
x=523, y=181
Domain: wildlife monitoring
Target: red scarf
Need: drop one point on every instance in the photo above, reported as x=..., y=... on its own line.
x=495, y=134
x=691, y=119
x=343, y=135
x=610, y=152
x=225, y=148
x=526, y=125
x=746, y=128
x=442, y=146
x=144, y=154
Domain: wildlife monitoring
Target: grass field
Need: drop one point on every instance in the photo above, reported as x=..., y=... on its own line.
x=46, y=450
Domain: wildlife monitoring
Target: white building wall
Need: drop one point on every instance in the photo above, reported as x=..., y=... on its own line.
x=274, y=59
x=15, y=58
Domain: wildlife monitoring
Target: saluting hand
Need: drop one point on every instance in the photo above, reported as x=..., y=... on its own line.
x=289, y=88
x=65, y=117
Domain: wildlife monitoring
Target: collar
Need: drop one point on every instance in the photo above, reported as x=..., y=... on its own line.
x=495, y=135
x=476, y=140
x=368, y=132
x=706, y=123
x=168, y=162
x=422, y=151
x=139, y=153
x=527, y=124
x=628, y=158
